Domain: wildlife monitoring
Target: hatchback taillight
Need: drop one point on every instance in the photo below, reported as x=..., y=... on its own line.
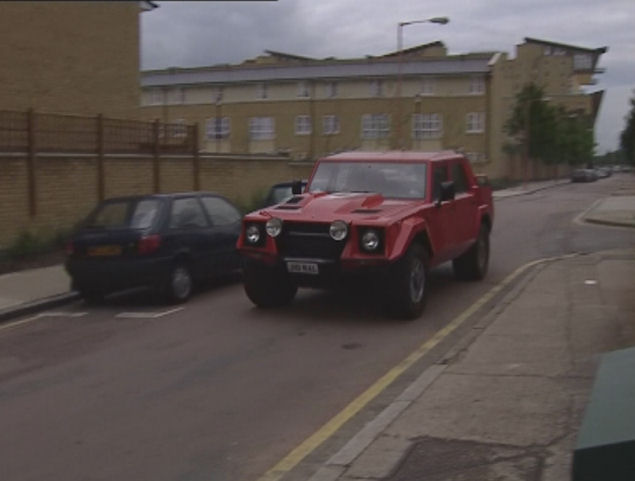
x=148, y=244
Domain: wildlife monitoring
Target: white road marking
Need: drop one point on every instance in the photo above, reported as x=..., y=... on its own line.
x=42, y=315
x=147, y=315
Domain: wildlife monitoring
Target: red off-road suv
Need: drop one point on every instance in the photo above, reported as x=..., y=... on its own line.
x=386, y=217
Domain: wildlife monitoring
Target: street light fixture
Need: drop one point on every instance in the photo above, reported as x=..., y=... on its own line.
x=400, y=26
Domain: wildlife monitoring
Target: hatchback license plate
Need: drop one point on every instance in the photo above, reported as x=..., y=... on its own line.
x=104, y=251
x=303, y=268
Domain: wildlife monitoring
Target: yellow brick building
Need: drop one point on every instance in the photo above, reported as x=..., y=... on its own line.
x=422, y=99
x=71, y=57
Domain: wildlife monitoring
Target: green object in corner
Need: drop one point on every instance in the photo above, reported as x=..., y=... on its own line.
x=605, y=449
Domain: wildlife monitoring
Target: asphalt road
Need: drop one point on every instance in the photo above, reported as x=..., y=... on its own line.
x=218, y=390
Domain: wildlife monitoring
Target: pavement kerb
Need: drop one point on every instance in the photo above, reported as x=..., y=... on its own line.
x=583, y=219
x=37, y=306
x=530, y=191
x=339, y=463
x=611, y=223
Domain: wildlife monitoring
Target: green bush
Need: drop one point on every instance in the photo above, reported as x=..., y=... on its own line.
x=30, y=244
x=253, y=202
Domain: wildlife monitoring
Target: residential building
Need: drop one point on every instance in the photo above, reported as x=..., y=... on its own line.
x=71, y=57
x=421, y=98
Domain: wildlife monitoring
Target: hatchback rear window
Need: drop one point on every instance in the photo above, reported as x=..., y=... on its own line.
x=134, y=214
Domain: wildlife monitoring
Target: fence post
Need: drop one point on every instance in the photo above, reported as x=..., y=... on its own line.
x=100, y=158
x=156, y=169
x=196, y=167
x=30, y=163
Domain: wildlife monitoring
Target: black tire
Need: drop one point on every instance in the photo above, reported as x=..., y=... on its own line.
x=179, y=284
x=267, y=286
x=473, y=265
x=408, y=284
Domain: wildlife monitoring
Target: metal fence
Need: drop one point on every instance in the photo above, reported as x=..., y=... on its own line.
x=23, y=132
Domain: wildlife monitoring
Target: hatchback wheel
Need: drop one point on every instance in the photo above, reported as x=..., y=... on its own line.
x=179, y=284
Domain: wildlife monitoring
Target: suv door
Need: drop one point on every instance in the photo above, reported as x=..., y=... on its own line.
x=466, y=205
x=440, y=218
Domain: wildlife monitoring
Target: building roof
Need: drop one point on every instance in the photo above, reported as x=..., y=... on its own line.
x=415, y=50
x=599, y=50
x=324, y=69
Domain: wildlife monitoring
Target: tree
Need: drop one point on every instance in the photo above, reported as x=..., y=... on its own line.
x=627, y=138
x=549, y=133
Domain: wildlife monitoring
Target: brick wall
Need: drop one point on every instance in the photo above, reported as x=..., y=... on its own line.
x=67, y=186
x=79, y=57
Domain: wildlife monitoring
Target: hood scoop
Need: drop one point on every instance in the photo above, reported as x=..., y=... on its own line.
x=287, y=207
x=373, y=201
x=295, y=199
x=366, y=211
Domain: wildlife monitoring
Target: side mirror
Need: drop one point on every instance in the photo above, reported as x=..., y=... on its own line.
x=447, y=192
x=296, y=187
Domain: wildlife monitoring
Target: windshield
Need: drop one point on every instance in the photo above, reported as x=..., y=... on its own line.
x=397, y=180
x=133, y=214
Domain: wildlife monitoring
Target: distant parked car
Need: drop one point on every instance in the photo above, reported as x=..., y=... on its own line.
x=603, y=172
x=281, y=192
x=167, y=242
x=584, y=175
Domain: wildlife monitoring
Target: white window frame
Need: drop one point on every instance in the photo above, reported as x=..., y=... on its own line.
x=217, y=128
x=582, y=61
x=177, y=96
x=330, y=125
x=475, y=123
x=427, y=126
x=303, y=125
x=157, y=96
x=331, y=89
x=376, y=88
x=303, y=89
x=262, y=128
x=428, y=86
x=179, y=130
x=477, y=85
x=375, y=126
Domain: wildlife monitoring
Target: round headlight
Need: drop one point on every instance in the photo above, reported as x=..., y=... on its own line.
x=252, y=234
x=274, y=227
x=370, y=240
x=338, y=230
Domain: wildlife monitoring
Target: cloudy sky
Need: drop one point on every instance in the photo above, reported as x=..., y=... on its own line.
x=188, y=34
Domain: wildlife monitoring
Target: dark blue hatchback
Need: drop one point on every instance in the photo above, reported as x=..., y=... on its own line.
x=165, y=241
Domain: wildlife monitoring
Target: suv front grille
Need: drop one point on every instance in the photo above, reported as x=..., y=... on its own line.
x=308, y=240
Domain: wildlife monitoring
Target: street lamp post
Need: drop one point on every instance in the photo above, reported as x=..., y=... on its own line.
x=400, y=26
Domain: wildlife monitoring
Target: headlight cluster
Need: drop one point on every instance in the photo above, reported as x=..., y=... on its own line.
x=338, y=230
x=274, y=227
x=255, y=232
x=254, y=235
x=371, y=241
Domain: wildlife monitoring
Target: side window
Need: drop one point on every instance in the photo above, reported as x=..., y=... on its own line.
x=459, y=178
x=187, y=213
x=439, y=174
x=220, y=211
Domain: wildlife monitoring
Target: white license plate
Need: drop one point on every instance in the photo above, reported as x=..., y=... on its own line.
x=303, y=268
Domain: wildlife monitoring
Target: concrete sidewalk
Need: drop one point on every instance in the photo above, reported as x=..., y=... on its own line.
x=507, y=406
x=32, y=290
